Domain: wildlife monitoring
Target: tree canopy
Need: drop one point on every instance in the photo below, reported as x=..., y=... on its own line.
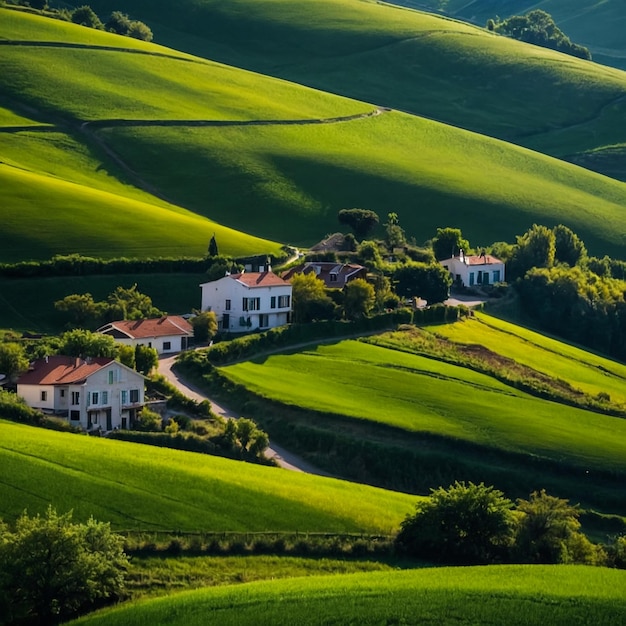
x=448, y=242
x=361, y=221
x=310, y=300
x=425, y=280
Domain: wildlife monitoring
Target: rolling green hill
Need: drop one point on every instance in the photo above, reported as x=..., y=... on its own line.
x=438, y=68
x=137, y=487
x=596, y=25
x=248, y=151
x=516, y=595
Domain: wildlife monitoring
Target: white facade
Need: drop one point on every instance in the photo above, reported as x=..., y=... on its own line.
x=248, y=301
x=107, y=398
x=472, y=271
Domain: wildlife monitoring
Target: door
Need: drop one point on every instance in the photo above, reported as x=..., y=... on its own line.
x=226, y=321
x=108, y=416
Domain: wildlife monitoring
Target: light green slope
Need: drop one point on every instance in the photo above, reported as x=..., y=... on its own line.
x=516, y=595
x=143, y=487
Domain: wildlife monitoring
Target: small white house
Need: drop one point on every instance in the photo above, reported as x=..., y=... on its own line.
x=93, y=393
x=471, y=270
x=170, y=333
x=248, y=301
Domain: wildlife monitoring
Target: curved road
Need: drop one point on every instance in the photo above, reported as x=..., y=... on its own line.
x=284, y=458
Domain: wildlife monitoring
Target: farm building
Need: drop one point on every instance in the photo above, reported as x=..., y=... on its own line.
x=170, y=333
x=94, y=393
x=334, y=275
x=248, y=300
x=474, y=270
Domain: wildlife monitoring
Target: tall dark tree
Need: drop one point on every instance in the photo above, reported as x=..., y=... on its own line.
x=448, y=242
x=361, y=221
x=86, y=16
x=429, y=281
x=569, y=248
x=213, y=251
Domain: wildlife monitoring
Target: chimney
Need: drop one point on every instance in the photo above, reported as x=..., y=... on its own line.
x=461, y=256
x=162, y=319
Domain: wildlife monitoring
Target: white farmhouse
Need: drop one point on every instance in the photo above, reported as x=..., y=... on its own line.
x=470, y=270
x=96, y=393
x=165, y=334
x=248, y=301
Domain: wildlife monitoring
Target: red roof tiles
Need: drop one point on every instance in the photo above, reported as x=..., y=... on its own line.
x=159, y=327
x=62, y=370
x=259, y=279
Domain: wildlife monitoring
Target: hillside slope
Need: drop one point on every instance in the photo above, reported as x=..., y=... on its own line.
x=246, y=151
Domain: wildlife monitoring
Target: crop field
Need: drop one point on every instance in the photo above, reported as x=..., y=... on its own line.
x=27, y=304
x=138, y=487
x=516, y=595
x=436, y=175
x=589, y=372
x=418, y=394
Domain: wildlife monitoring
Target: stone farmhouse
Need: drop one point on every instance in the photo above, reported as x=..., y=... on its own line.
x=248, y=301
x=334, y=275
x=170, y=333
x=471, y=270
x=94, y=393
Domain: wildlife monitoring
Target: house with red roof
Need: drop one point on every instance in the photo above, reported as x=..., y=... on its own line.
x=475, y=270
x=334, y=275
x=248, y=301
x=170, y=333
x=94, y=393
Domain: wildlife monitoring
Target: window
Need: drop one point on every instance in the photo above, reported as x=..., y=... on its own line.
x=134, y=396
x=63, y=393
x=94, y=397
x=283, y=301
x=105, y=397
x=74, y=415
x=496, y=276
x=273, y=302
x=44, y=396
x=227, y=305
x=251, y=304
x=333, y=278
x=75, y=397
x=124, y=397
x=471, y=278
x=167, y=345
x=264, y=320
x=112, y=376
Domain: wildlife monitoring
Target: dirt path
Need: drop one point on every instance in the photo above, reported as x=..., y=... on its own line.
x=284, y=458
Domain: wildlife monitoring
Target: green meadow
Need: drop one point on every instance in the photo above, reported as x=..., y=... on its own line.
x=584, y=370
x=421, y=395
x=137, y=487
x=558, y=595
x=248, y=178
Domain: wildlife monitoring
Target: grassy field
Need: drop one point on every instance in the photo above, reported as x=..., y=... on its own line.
x=584, y=370
x=418, y=394
x=249, y=178
x=138, y=487
x=559, y=595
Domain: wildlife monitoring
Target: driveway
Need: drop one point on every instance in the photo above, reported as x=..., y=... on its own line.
x=283, y=457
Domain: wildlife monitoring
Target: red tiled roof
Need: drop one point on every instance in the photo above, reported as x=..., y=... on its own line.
x=159, y=327
x=260, y=279
x=61, y=370
x=486, y=259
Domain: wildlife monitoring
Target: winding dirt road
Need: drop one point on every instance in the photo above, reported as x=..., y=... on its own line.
x=283, y=458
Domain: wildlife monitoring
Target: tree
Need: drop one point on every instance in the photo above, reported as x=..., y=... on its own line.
x=139, y=30
x=131, y=304
x=13, y=360
x=204, y=326
x=85, y=16
x=213, y=246
x=549, y=532
x=52, y=568
x=395, y=234
x=361, y=221
x=535, y=248
x=369, y=254
x=310, y=301
x=81, y=309
x=83, y=343
x=359, y=298
x=118, y=23
x=448, y=242
x=126, y=355
x=148, y=421
x=429, y=281
x=465, y=523
x=146, y=359
x=568, y=247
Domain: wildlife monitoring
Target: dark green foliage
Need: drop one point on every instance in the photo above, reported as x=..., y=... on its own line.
x=52, y=568
x=429, y=281
x=538, y=27
x=359, y=298
x=395, y=233
x=85, y=16
x=368, y=253
x=81, y=309
x=148, y=421
x=146, y=359
x=310, y=300
x=204, y=326
x=131, y=304
x=13, y=359
x=213, y=251
x=448, y=242
x=361, y=221
x=83, y=344
x=465, y=523
x=14, y=408
x=139, y=30
x=568, y=246
x=535, y=248
x=118, y=23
